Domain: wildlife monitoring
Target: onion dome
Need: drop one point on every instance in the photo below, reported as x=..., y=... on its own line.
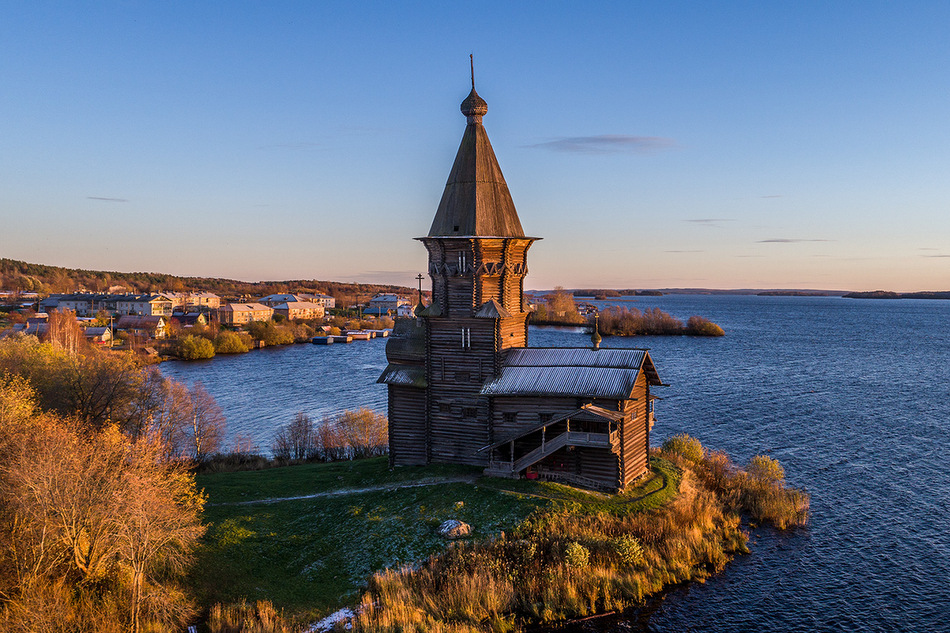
x=595, y=338
x=474, y=107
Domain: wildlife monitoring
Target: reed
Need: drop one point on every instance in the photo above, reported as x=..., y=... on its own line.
x=244, y=617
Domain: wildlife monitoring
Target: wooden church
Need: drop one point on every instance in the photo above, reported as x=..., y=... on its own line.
x=464, y=387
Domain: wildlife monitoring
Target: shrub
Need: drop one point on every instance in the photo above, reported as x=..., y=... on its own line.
x=232, y=343
x=195, y=347
x=765, y=469
x=629, y=550
x=576, y=555
x=699, y=326
x=689, y=448
x=620, y=321
x=271, y=333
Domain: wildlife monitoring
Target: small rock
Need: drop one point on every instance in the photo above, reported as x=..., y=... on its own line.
x=453, y=529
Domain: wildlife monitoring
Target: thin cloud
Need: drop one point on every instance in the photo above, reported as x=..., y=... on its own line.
x=607, y=144
x=773, y=196
x=106, y=199
x=684, y=251
x=938, y=256
x=786, y=240
x=716, y=222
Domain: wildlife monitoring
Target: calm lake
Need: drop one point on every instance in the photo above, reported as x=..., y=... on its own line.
x=850, y=395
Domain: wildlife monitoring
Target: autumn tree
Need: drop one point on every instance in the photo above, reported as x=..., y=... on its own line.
x=352, y=435
x=206, y=423
x=95, y=530
x=298, y=440
x=63, y=331
x=101, y=389
x=95, y=386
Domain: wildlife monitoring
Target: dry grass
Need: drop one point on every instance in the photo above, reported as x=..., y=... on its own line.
x=570, y=563
x=258, y=617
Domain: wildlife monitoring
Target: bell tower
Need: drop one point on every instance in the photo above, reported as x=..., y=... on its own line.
x=477, y=263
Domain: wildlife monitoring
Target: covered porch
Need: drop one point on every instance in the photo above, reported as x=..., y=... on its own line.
x=549, y=449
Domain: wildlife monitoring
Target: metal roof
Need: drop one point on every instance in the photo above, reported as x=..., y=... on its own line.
x=574, y=357
x=591, y=382
x=405, y=375
x=603, y=373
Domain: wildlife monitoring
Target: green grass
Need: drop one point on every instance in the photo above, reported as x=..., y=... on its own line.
x=312, y=556
x=304, y=479
x=653, y=491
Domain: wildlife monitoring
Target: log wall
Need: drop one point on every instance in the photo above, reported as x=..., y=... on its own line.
x=407, y=426
x=634, y=434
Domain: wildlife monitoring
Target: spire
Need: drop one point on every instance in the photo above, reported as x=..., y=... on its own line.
x=476, y=200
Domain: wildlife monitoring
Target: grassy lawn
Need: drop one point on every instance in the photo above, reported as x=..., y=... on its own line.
x=312, y=556
x=292, y=481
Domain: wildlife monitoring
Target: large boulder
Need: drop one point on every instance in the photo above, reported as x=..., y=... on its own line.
x=453, y=529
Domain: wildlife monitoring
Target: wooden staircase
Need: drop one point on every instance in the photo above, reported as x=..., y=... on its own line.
x=547, y=447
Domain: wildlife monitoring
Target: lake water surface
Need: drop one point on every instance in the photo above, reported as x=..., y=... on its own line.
x=850, y=395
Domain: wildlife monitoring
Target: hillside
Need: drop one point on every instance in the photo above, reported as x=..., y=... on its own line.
x=19, y=275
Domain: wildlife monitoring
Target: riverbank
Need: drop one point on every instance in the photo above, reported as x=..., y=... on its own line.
x=540, y=552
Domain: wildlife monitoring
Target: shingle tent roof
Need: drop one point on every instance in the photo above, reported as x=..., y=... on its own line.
x=476, y=200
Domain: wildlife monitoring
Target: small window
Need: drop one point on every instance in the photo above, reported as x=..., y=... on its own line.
x=469, y=412
x=544, y=417
x=462, y=376
x=510, y=418
x=652, y=402
x=445, y=407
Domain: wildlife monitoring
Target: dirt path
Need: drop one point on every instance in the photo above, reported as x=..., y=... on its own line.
x=468, y=479
x=352, y=491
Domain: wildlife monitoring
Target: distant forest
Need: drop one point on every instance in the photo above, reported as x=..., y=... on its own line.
x=26, y=277
x=607, y=293
x=886, y=294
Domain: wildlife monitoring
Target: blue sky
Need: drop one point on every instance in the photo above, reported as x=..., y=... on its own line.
x=651, y=144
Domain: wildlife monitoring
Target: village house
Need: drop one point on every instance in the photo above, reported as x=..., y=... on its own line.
x=326, y=301
x=383, y=304
x=189, y=319
x=194, y=301
x=143, y=326
x=274, y=300
x=84, y=304
x=299, y=310
x=464, y=387
x=144, y=305
x=241, y=313
x=98, y=335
